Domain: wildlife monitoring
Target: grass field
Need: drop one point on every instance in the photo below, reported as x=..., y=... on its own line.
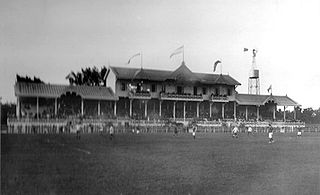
x=160, y=164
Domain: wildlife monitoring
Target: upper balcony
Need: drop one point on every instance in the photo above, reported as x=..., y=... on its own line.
x=180, y=97
x=140, y=95
x=219, y=98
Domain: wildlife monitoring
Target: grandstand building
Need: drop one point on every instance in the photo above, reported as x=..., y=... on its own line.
x=149, y=94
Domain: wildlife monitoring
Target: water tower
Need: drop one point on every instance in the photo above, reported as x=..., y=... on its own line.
x=253, y=81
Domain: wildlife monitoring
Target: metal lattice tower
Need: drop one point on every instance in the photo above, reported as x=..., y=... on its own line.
x=253, y=81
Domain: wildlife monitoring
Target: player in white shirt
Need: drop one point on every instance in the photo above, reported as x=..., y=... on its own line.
x=235, y=132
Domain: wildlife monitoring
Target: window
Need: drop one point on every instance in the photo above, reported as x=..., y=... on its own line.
x=123, y=86
x=204, y=90
x=163, y=89
x=216, y=91
x=179, y=90
x=153, y=88
x=195, y=91
x=229, y=92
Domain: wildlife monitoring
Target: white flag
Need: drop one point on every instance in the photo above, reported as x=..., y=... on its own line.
x=178, y=51
x=270, y=88
x=135, y=55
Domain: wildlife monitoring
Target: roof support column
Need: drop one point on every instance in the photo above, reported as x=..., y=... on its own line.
x=184, y=111
x=258, y=107
x=82, y=107
x=222, y=110
x=160, y=105
x=235, y=110
x=130, y=107
x=18, y=108
x=99, y=111
x=210, y=109
x=274, y=112
x=146, y=108
x=37, y=107
x=174, y=110
x=295, y=113
x=115, y=108
x=55, y=106
x=198, y=109
x=284, y=113
x=246, y=113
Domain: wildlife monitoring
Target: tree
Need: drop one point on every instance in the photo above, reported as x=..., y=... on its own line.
x=28, y=79
x=89, y=76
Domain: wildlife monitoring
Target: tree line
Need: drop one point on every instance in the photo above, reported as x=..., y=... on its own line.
x=89, y=76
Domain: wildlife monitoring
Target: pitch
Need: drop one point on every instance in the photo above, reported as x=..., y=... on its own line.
x=160, y=163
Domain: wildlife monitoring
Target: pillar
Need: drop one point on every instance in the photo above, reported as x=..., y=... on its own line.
x=160, y=104
x=174, y=110
x=115, y=108
x=274, y=112
x=258, y=112
x=99, y=108
x=222, y=109
x=145, y=108
x=295, y=113
x=184, y=111
x=246, y=112
x=55, y=106
x=82, y=107
x=37, y=107
x=198, y=109
x=235, y=110
x=284, y=113
x=130, y=108
x=18, y=108
x=210, y=109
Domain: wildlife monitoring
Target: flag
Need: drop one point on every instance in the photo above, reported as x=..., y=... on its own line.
x=270, y=88
x=245, y=49
x=178, y=51
x=135, y=55
x=106, y=74
x=215, y=65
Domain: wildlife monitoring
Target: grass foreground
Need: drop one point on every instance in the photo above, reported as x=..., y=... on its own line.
x=160, y=164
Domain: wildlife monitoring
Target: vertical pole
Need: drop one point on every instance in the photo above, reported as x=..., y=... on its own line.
x=115, y=108
x=174, y=110
x=284, y=113
x=82, y=107
x=160, y=105
x=145, y=108
x=37, y=107
x=130, y=108
x=222, y=108
x=55, y=106
x=18, y=108
x=274, y=112
x=141, y=60
x=210, y=109
x=234, y=110
x=246, y=113
x=258, y=112
x=184, y=111
x=99, y=108
x=295, y=113
x=197, y=109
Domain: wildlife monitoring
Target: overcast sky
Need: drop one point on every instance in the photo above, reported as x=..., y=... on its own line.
x=48, y=39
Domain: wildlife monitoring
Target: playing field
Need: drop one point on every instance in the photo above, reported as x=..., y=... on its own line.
x=160, y=164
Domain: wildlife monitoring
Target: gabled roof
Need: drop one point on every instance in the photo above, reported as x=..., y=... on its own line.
x=182, y=73
x=54, y=91
x=249, y=99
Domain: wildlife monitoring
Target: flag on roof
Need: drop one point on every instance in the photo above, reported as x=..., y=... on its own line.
x=178, y=51
x=270, y=88
x=135, y=55
x=245, y=49
x=215, y=65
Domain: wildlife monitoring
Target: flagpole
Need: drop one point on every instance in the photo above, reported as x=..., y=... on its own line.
x=141, y=60
x=182, y=53
x=220, y=68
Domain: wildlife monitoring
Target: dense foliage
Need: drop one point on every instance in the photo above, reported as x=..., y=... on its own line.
x=89, y=76
x=27, y=79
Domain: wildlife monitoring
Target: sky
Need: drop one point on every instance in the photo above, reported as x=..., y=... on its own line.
x=48, y=39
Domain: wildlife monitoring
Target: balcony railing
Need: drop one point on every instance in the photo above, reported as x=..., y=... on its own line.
x=219, y=98
x=181, y=97
x=140, y=95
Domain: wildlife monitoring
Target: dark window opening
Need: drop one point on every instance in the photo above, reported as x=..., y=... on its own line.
x=123, y=86
x=229, y=92
x=204, y=91
x=153, y=88
x=195, y=91
x=179, y=90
